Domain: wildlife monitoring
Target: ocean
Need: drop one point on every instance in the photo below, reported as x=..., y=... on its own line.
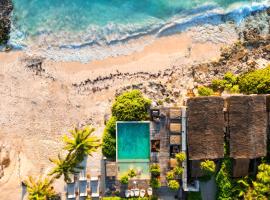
x=63, y=29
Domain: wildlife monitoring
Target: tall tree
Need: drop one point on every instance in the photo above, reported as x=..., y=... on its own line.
x=81, y=143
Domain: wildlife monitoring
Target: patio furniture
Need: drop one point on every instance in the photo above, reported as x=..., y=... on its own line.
x=142, y=193
x=94, y=184
x=71, y=194
x=150, y=191
x=131, y=193
x=127, y=193
x=136, y=192
x=83, y=188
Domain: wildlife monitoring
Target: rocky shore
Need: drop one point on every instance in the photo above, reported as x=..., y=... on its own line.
x=5, y=22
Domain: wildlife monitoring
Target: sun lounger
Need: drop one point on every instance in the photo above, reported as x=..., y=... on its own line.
x=83, y=188
x=142, y=193
x=131, y=193
x=136, y=192
x=127, y=193
x=94, y=184
x=150, y=191
x=71, y=191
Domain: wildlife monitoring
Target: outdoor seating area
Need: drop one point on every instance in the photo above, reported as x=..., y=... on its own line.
x=138, y=192
x=83, y=186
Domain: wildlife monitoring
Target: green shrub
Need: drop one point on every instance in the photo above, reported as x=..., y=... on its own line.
x=108, y=145
x=155, y=183
x=131, y=106
x=174, y=185
x=255, y=82
x=180, y=157
x=170, y=175
x=111, y=198
x=178, y=171
x=155, y=170
x=132, y=173
x=111, y=126
x=124, y=179
x=218, y=84
x=209, y=168
x=194, y=196
x=205, y=91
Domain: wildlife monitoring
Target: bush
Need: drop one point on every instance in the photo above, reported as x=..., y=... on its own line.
x=173, y=185
x=131, y=106
x=205, y=91
x=124, y=179
x=256, y=82
x=170, y=175
x=155, y=183
x=155, y=170
x=108, y=145
x=111, y=198
x=111, y=126
x=132, y=173
x=209, y=168
x=194, y=196
x=180, y=157
x=178, y=171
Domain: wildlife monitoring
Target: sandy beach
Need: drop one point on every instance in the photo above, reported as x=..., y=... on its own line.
x=40, y=104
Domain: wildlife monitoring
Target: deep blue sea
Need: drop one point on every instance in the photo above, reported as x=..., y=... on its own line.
x=76, y=24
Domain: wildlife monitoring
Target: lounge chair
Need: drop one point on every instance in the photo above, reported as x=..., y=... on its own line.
x=83, y=188
x=142, y=193
x=71, y=194
x=150, y=191
x=131, y=193
x=127, y=193
x=136, y=192
x=94, y=184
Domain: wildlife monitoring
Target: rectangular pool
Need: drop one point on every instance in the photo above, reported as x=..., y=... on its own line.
x=133, y=148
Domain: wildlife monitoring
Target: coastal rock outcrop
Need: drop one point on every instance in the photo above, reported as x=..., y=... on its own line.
x=6, y=8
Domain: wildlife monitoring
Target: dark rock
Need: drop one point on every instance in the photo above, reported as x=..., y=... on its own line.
x=5, y=22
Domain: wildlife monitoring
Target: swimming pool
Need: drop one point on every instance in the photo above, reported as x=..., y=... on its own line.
x=133, y=148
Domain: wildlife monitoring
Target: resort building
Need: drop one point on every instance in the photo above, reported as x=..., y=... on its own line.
x=200, y=129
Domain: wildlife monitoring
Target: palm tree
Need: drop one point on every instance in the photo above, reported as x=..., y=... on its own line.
x=81, y=143
x=39, y=189
x=65, y=167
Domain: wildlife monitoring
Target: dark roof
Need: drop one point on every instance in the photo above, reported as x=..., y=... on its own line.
x=248, y=126
x=205, y=129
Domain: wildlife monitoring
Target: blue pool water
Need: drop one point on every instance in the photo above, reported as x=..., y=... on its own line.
x=73, y=24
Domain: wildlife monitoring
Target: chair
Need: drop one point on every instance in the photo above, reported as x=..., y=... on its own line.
x=94, y=184
x=83, y=188
x=136, y=192
x=142, y=193
x=150, y=191
x=71, y=194
x=127, y=193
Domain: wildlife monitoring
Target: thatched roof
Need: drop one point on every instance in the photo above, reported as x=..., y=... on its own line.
x=205, y=133
x=240, y=167
x=248, y=126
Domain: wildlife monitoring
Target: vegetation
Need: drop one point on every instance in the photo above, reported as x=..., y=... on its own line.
x=178, y=171
x=39, y=189
x=129, y=106
x=174, y=185
x=194, y=196
x=155, y=182
x=132, y=173
x=81, y=143
x=205, y=91
x=155, y=170
x=64, y=167
x=131, y=198
x=180, y=157
x=209, y=168
x=253, y=82
x=170, y=175
x=124, y=179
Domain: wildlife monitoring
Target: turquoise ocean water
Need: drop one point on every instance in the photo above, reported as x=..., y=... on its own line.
x=78, y=24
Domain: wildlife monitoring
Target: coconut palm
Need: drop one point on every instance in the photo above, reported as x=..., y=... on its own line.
x=65, y=167
x=82, y=142
x=39, y=189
